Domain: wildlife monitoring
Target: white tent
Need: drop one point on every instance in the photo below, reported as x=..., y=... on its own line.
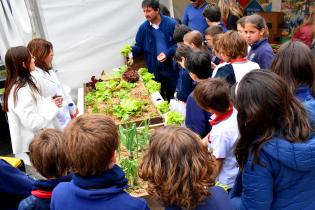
x=87, y=34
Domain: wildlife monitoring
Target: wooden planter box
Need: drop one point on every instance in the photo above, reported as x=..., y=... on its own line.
x=150, y=113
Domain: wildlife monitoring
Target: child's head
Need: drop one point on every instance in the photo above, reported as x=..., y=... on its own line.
x=198, y=64
x=231, y=45
x=241, y=26
x=210, y=33
x=255, y=29
x=216, y=47
x=91, y=142
x=181, y=54
x=193, y=39
x=212, y=14
x=47, y=154
x=295, y=64
x=178, y=167
x=213, y=95
x=179, y=31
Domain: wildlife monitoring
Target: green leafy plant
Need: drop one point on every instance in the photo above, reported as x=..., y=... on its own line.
x=174, y=118
x=127, y=108
x=125, y=50
x=152, y=86
x=163, y=107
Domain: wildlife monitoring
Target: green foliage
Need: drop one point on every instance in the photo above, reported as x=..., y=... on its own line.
x=90, y=98
x=152, y=86
x=163, y=107
x=174, y=118
x=127, y=85
x=134, y=139
x=120, y=71
x=125, y=50
x=127, y=108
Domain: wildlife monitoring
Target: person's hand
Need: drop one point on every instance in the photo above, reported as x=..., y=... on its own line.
x=57, y=100
x=161, y=57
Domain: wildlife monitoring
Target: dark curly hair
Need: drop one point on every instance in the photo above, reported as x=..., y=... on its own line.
x=177, y=167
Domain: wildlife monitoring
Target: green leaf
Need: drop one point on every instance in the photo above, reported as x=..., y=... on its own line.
x=163, y=107
x=174, y=118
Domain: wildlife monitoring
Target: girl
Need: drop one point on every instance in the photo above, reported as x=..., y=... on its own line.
x=48, y=80
x=27, y=111
x=179, y=171
x=256, y=35
x=275, y=147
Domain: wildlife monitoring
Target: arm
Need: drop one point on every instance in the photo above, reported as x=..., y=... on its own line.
x=185, y=17
x=218, y=162
x=137, y=49
x=257, y=185
x=34, y=114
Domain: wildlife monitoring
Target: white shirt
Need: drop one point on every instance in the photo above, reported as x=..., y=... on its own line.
x=223, y=139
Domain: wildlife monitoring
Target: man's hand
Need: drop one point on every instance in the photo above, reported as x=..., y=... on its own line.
x=161, y=57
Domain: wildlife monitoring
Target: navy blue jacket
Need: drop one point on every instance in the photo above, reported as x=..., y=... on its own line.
x=145, y=43
x=218, y=200
x=185, y=85
x=226, y=72
x=15, y=185
x=99, y=192
x=261, y=53
x=41, y=194
x=196, y=118
x=286, y=181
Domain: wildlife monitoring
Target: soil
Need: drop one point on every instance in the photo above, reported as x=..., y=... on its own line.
x=139, y=93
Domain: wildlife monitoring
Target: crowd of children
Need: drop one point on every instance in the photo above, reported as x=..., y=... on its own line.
x=248, y=140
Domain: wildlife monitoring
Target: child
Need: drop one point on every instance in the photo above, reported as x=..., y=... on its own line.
x=240, y=29
x=15, y=185
x=256, y=33
x=210, y=33
x=212, y=95
x=194, y=40
x=91, y=143
x=233, y=50
x=179, y=31
x=198, y=64
x=212, y=15
x=48, y=158
x=276, y=146
x=179, y=171
x=185, y=85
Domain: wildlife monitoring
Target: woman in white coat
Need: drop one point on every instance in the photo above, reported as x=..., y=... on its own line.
x=27, y=110
x=50, y=85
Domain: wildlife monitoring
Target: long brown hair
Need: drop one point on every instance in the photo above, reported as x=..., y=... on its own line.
x=17, y=64
x=40, y=48
x=295, y=64
x=267, y=108
x=177, y=167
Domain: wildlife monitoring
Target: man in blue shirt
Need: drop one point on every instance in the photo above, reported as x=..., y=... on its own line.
x=193, y=17
x=155, y=39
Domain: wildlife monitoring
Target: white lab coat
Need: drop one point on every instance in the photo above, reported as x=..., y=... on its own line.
x=27, y=116
x=51, y=86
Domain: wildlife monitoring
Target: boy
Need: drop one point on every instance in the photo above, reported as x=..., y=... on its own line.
x=232, y=48
x=91, y=143
x=212, y=15
x=48, y=158
x=198, y=64
x=210, y=33
x=179, y=33
x=213, y=96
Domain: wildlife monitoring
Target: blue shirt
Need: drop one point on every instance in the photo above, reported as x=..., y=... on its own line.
x=194, y=18
x=196, y=118
x=261, y=53
x=160, y=41
x=185, y=85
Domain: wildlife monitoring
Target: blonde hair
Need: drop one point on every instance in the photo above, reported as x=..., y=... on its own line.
x=229, y=7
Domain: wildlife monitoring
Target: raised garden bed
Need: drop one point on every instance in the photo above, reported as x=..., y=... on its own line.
x=123, y=102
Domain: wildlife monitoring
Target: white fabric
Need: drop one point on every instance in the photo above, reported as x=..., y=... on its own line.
x=88, y=35
x=30, y=114
x=15, y=26
x=223, y=138
x=50, y=86
x=242, y=68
